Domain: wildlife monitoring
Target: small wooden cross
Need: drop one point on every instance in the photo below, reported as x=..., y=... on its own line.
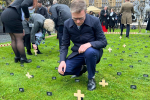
x=103, y=83
x=28, y=75
x=78, y=94
x=109, y=49
x=36, y=52
x=120, y=37
x=124, y=45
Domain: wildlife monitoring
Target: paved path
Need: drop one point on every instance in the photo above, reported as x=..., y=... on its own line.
x=5, y=38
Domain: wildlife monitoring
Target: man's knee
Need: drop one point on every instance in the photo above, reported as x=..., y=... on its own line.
x=91, y=52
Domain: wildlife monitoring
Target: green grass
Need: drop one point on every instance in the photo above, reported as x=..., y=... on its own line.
x=63, y=88
x=131, y=30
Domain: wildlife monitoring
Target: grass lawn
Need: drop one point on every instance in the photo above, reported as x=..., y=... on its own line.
x=63, y=88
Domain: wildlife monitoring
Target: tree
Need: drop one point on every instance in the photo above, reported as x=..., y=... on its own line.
x=67, y=2
x=7, y=2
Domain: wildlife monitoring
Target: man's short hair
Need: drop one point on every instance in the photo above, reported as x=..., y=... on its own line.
x=77, y=6
x=54, y=1
x=39, y=1
x=105, y=6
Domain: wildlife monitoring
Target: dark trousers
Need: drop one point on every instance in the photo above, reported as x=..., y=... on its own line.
x=27, y=41
x=127, y=29
x=60, y=34
x=49, y=33
x=90, y=57
x=119, y=22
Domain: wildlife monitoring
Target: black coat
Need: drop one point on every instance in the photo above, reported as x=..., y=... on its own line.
x=24, y=4
x=103, y=18
x=60, y=13
x=111, y=20
x=90, y=32
x=148, y=25
x=43, y=12
x=119, y=17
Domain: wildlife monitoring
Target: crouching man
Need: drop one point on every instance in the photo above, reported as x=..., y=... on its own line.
x=86, y=33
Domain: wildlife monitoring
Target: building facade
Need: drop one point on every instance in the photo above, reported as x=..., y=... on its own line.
x=115, y=4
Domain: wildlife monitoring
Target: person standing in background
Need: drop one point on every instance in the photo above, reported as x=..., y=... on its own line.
x=41, y=10
x=111, y=20
x=126, y=11
x=104, y=18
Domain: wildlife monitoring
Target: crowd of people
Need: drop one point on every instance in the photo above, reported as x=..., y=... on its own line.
x=72, y=24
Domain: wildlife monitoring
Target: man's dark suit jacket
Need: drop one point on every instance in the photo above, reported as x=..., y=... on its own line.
x=90, y=32
x=43, y=12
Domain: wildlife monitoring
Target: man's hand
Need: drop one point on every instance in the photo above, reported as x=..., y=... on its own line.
x=27, y=19
x=23, y=32
x=83, y=47
x=34, y=46
x=62, y=65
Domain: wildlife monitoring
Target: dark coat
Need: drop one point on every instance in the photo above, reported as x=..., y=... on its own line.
x=60, y=13
x=43, y=12
x=148, y=25
x=119, y=17
x=103, y=18
x=111, y=20
x=24, y=4
x=91, y=31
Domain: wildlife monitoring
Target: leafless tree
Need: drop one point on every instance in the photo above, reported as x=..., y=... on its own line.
x=67, y=2
x=7, y=2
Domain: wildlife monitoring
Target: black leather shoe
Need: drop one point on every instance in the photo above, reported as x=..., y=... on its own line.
x=120, y=34
x=29, y=53
x=22, y=60
x=39, y=52
x=17, y=59
x=91, y=84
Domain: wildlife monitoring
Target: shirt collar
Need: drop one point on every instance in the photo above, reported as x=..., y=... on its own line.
x=40, y=8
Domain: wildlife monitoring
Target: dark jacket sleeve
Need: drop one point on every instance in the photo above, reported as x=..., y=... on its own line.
x=100, y=41
x=34, y=30
x=24, y=5
x=65, y=44
x=54, y=16
x=102, y=13
x=45, y=13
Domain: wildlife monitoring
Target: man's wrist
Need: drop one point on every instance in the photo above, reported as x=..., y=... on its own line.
x=90, y=45
x=62, y=62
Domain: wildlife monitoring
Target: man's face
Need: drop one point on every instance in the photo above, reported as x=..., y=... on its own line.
x=105, y=8
x=79, y=18
x=39, y=4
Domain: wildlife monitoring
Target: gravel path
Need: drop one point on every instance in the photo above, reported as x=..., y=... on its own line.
x=5, y=38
